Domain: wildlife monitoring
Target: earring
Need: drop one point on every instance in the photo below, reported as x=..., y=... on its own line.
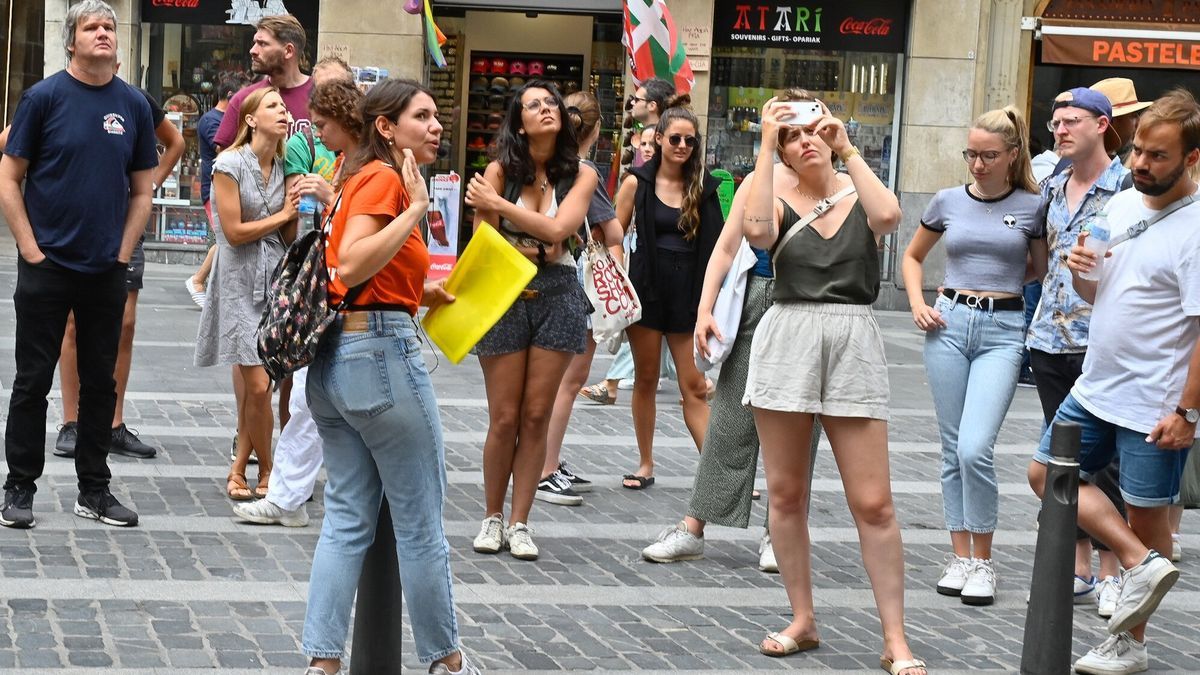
x=391, y=142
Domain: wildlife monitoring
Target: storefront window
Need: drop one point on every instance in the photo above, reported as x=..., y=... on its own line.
x=22, y=50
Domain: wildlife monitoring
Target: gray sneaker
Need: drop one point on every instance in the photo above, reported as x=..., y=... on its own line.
x=64, y=445
x=675, y=544
x=1142, y=588
x=467, y=668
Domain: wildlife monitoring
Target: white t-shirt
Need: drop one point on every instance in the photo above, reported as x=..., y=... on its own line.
x=1146, y=318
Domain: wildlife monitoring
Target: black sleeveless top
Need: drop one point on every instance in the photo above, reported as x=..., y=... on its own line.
x=843, y=269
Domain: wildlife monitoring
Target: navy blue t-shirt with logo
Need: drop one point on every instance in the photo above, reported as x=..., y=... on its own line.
x=82, y=143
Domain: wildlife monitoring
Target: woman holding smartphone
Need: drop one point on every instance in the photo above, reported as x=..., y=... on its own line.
x=818, y=351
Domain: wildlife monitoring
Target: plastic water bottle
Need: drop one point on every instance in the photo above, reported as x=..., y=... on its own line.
x=308, y=204
x=1096, y=242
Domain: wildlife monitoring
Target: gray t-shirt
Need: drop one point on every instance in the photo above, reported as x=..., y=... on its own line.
x=600, y=208
x=986, y=240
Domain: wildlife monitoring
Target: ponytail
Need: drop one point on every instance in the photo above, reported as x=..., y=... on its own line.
x=1009, y=124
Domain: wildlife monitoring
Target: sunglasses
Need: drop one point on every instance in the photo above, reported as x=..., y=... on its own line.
x=676, y=139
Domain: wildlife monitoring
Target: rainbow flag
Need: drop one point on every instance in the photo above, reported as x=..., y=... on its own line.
x=655, y=46
x=434, y=39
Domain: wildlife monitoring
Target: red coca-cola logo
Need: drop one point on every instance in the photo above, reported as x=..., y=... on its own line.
x=876, y=27
x=190, y=4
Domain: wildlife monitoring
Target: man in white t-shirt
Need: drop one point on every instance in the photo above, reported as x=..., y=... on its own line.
x=1139, y=395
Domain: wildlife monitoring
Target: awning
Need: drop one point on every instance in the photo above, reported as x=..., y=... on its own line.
x=1096, y=44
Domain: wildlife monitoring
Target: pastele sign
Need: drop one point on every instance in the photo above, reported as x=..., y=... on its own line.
x=838, y=25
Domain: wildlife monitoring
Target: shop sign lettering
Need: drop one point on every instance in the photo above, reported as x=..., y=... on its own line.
x=874, y=25
x=1120, y=52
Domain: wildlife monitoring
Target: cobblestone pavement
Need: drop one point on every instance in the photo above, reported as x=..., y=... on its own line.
x=191, y=591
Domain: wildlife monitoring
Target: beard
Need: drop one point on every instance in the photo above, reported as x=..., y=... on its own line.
x=1155, y=188
x=267, y=66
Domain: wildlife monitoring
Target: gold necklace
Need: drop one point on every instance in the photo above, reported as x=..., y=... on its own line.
x=812, y=198
x=545, y=184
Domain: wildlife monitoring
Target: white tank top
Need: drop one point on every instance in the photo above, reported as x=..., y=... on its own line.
x=529, y=241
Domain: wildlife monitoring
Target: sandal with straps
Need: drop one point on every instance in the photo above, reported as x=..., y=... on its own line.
x=599, y=393
x=236, y=488
x=260, y=490
x=897, y=667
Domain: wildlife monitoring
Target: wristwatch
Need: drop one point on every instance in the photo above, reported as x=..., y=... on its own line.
x=1192, y=415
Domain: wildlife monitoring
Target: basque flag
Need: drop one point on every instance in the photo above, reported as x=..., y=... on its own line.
x=655, y=47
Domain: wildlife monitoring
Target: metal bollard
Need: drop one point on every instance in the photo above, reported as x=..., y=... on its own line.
x=377, y=620
x=1048, y=619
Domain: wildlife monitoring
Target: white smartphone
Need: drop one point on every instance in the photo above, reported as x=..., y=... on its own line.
x=803, y=112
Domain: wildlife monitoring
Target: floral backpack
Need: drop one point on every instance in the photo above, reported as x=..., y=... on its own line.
x=298, y=312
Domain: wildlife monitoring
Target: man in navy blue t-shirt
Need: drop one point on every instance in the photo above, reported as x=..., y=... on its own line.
x=82, y=141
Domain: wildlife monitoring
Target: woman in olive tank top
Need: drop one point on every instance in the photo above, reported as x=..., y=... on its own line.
x=818, y=351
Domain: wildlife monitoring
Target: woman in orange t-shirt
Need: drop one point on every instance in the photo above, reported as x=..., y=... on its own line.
x=370, y=393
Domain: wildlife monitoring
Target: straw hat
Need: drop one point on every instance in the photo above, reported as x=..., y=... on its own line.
x=1122, y=95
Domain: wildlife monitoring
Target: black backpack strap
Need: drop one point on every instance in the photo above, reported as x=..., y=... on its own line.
x=312, y=146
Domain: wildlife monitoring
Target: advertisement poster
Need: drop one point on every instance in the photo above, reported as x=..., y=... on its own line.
x=445, y=194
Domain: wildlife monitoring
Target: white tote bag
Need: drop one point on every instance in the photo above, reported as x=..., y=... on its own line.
x=607, y=286
x=727, y=309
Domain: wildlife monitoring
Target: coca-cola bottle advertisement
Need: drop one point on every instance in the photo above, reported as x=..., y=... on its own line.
x=444, y=197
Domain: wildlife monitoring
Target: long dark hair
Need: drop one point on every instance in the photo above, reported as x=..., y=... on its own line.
x=389, y=98
x=693, y=168
x=512, y=147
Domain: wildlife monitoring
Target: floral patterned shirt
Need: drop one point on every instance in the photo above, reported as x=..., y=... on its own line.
x=1060, y=324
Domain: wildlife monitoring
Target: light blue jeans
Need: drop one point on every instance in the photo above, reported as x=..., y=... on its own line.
x=972, y=365
x=373, y=402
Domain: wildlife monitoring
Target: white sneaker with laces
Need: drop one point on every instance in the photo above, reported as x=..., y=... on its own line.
x=520, y=542
x=1118, y=655
x=954, y=576
x=766, y=555
x=675, y=544
x=556, y=489
x=980, y=588
x=491, y=535
x=198, y=296
x=1085, y=590
x=1142, y=588
x=265, y=512
x=1107, y=591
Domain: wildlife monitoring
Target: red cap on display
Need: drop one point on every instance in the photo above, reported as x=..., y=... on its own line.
x=499, y=66
x=536, y=68
x=516, y=68
x=479, y=66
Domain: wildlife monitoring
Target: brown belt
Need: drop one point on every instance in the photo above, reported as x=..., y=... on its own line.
x=355, y=322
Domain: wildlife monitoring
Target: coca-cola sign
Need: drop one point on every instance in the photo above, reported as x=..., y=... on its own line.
x=876, y=26
x=862, y=25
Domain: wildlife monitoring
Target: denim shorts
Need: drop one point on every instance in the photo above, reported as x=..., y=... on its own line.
x=1149, y=475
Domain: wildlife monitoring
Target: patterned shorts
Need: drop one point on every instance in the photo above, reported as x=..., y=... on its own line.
x=555, y=320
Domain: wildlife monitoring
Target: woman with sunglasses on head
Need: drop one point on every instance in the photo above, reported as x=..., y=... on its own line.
x=994, y=228
x=369, y=391
x=818, y=351
x=254, y=224
x=537, y=196
x=674, y=202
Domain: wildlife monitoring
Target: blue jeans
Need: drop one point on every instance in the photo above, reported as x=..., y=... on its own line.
x=1033, y=295
x=374, y=406
x=972, y=365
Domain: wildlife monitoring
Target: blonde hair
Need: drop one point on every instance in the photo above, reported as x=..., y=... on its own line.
x=250, y=106
x=583, y=111
x=1009, y=124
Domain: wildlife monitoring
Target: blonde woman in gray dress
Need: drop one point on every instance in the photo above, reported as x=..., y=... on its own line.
x=254, y=224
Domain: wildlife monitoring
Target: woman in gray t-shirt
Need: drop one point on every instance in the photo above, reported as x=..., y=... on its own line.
x=254, y=224
x=994, y=234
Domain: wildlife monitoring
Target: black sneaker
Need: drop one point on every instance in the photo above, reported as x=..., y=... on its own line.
x=579, y=485
x=17, y=512
x=556, y=489
x=125, y=441
x=68, y=433
x=1025, y=379
x=101, y=505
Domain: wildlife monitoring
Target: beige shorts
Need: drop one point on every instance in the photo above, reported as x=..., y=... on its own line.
x=821, y=358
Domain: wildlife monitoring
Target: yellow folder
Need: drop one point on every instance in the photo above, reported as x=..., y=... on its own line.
x=485, y=282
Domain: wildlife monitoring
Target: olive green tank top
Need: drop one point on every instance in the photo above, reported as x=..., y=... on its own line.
x=843, y=269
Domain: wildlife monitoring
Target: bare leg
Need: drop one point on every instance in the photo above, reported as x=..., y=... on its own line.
x=564, y=402
x=200, y=278
x=285, y=395
x=256, y=421
x=785, y=449
x=1083, y=557
x=125, y=355
x=981, y=544
x=646, y=345
x=68, y=373
x=961, y=541
x=543, y=377
x=692, y=386
x=504, y=382
x=860, y=447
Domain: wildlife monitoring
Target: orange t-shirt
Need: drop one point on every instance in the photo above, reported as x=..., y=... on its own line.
x=377, y=190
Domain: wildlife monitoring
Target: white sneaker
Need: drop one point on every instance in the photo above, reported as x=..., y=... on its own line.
x=980, y=588
x=675, y=544
x=1176, y=548
x=625, y=384
x=197, y=295
x=954, y=576
x=1085, y=590
x=1117, y=655
x=520, y=542
x=1107, y=591
x=1142, y=588
x=766, y=555
x=491, y=535
x=264, y=512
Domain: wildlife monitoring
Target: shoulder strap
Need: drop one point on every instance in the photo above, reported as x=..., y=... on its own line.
x=1143, y=225
x=312, y=147
x=821, y=207
x=351, y=293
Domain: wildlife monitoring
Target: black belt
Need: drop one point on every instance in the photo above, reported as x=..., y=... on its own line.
x=980, y=302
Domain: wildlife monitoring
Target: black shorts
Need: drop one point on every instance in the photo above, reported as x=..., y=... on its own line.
x=674, y=279
x=137, y=267
x=555, y=320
